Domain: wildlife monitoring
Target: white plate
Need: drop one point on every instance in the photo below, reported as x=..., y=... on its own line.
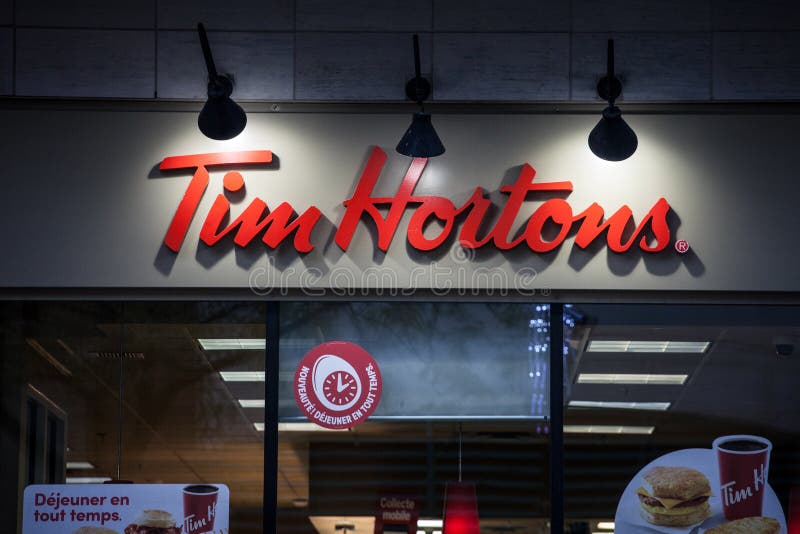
x=628, y=518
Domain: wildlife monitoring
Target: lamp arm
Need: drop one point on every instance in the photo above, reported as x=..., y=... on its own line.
x=212, y=69
x=610, y=74
x=417, y=70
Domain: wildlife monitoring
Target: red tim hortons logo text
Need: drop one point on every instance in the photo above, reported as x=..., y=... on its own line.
x=472, y=222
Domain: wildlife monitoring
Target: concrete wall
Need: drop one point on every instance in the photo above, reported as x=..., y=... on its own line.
x=506, y=50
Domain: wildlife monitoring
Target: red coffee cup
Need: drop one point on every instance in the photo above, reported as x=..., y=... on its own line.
x=743, y=469
x=199, y=508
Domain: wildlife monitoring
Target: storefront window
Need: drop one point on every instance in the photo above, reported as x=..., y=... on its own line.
x=653, y=386
x=456, y=377
x=174, y=392
x=185, y=416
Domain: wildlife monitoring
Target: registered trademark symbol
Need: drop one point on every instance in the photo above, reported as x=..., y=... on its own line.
x=682, y=246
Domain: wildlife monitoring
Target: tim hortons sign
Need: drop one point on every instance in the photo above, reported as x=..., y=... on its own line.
x=282, y=222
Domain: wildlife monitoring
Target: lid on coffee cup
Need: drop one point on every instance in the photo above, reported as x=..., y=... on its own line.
x=201, y=489
x=742, y=444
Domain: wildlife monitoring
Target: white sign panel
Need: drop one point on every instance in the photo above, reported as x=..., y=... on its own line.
x=317, y=204
x=126, y=509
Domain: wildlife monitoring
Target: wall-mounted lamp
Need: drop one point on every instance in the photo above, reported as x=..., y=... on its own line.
x=221, y=118
x=612, y=139
x=420, y=140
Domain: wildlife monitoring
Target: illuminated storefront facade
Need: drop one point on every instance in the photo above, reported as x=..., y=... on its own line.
x=144, y=242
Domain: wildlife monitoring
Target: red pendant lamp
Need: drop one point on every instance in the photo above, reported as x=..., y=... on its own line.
x=460, y=504
x=794, y=511
x=460, y=509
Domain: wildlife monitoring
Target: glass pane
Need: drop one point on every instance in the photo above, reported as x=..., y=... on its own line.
x=195, y=403
x=653, y=386
x=182, y=421
x=468, y=377
x=439, y=360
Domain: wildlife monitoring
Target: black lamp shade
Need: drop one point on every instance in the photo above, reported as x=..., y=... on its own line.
x=612, y=139
x=221, y=117
x=420, y=140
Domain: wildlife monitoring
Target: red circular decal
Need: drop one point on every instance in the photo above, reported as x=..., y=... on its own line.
x=337, y=385
x=682, y=246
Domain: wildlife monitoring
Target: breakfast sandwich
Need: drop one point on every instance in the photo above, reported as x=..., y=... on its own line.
x=95, y=530
x=674, y=496
x=153, y=522
x=748, y=525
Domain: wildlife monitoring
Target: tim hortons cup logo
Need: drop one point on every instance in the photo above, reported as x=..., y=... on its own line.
x=199, y=508
x=743, y=462
x=337, y=385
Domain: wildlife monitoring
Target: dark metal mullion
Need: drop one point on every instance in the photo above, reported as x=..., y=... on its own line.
x=557, y=418
x=121, y=391
x=272, y=359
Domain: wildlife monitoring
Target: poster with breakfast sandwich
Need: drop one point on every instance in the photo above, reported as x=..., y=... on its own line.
x=721, y=490
x=126, y=509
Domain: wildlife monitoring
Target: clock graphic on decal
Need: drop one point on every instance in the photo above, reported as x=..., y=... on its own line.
x=336, y=383
x=340, y=388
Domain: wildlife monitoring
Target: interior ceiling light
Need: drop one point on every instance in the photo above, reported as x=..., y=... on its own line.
x=612, y=139
x=652, y=406
x=255, y=403
x=430, y=523
x=221, y=117
x=306, y=427
x=110, y=355
x=609, y=429
x=259, y=426
x=233, y=344
x=605, y=525
x=243, y=376
x=420, y=140
x=87, y=480
x=632, y=379
x=683, y=347
x=79, y=465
